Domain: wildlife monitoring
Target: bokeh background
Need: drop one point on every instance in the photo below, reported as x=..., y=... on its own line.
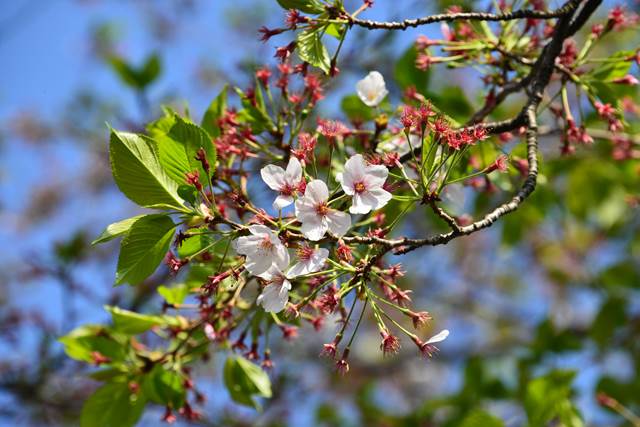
x=552, y=287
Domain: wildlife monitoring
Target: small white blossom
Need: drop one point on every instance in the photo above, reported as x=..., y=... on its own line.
x=275, y=295
x=262, y=249
x=311, y=261
x=364, y=184
x=372, y=89
x=313, y=211
x=439, y=337
x=283, y=181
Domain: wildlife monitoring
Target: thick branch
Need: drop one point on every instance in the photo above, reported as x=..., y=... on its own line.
x=475, y=16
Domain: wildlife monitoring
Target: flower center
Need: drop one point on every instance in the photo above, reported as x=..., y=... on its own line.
x=359, y=187
x=322, y=209
x=305, y=253
x=287, y=190
x=266, y=244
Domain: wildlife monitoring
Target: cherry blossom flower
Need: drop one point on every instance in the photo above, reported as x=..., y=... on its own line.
x=311, y=261
x=275, y=295
x=283, y=181
x=262, y=249
x=364, y=183
x=428, y=348
x=313, y=211
x=372, y=89
x=399, y=144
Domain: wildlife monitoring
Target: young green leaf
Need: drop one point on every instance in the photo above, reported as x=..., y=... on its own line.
x=144, y=248
x=112, y=405
x=244, y=380
x=116, y=229
x=307, y=6
x=193, y=137
x=139, y=174
x=311, y=50
x=174, y=295
x=165, y=387
x=214, y=113
x=83, y=342
x=132, y=323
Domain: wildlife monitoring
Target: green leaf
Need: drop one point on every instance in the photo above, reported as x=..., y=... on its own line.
x=407, y=74
x=307, y=6
x=80, y=343
x=193, y=137
x=144, y=248
x=616, y=67
x=132, y=323
x=139, y=175
x=215, y=111
x=256, y=115
x=545, y=397
x=164, y=387
x=116, y=229
x=479, y=418
x=244, y=380
x=112, y=405
x=174, y=295
x=311, y=50
x=137, y=78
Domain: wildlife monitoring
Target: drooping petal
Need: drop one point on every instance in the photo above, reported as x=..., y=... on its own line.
x=274, y=297
x=257, y=264
x=317, y=191
x=363, y=203
x=273, y=176
x=441, y=336
x=314, y=229
x=293, y=174
x=282, y=202
x=338, y=222
x=382, y=197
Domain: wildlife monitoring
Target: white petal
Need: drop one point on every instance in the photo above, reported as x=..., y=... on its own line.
x=281, y=257
x=376, y=175
x=298, y=269
x=441, y=336
x=314, y=230
x=372, y=89
x=271, y=273
x=305, y=210
x=282, y=202
x=260, y=230
x=273, y=176
x=247, y=245
x=293, y=174
x=354, y=169
x=317, y=191
x=257, y=265
x=274, y=297
x=338, y=223
x=312, y=265
x=382, y=197
x=363, y=203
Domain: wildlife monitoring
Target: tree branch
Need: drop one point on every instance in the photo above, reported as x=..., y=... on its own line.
x=474, y=16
